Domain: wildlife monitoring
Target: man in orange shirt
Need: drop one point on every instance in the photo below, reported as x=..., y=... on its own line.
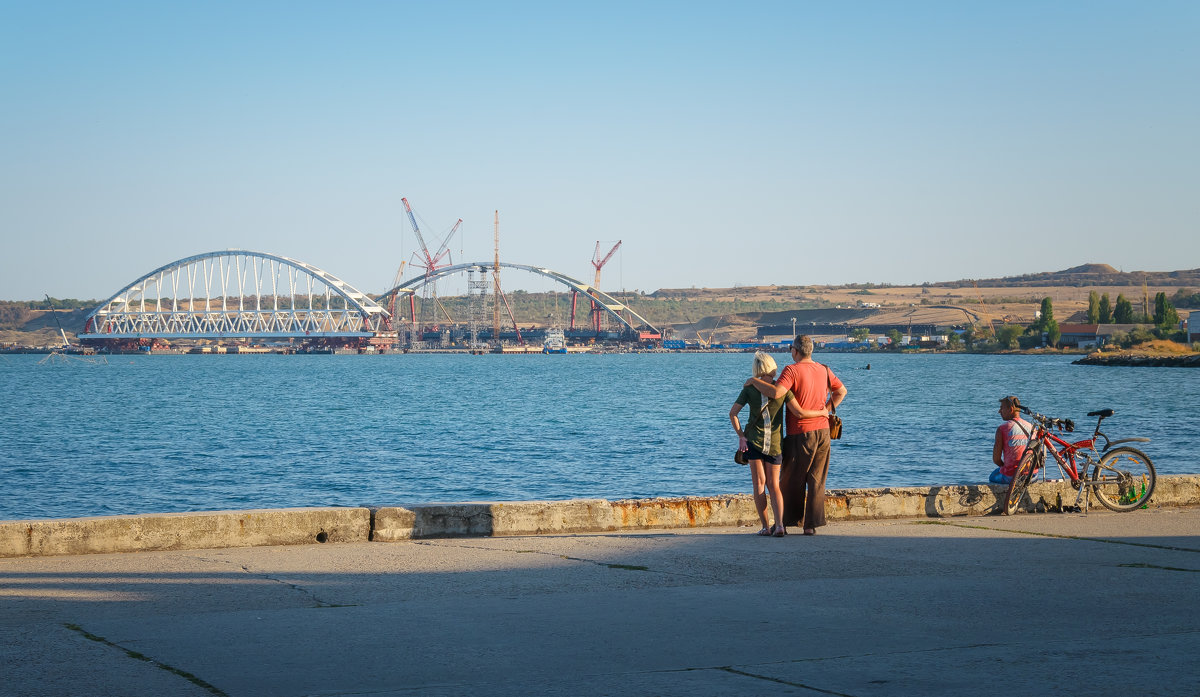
x=806, y=447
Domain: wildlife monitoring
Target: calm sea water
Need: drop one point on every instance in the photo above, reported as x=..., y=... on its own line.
x=184, y=433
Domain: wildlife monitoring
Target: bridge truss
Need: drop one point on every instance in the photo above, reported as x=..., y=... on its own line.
x=605, y=302
x=237, y=294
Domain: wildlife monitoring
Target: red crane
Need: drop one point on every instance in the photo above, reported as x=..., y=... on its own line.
x=392, y=303
x=430, y=262
x=599, y=264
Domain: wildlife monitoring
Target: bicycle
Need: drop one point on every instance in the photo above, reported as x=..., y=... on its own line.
x=1122, y=477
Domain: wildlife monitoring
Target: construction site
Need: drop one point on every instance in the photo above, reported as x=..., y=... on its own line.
x=736, y=318
x=245, y=301
x=485, y=319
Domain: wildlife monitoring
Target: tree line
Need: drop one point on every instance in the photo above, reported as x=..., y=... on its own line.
x=1102, y=311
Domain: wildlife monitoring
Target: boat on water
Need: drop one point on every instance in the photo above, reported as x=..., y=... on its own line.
x=555, y=342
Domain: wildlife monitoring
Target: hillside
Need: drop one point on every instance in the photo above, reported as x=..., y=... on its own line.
x=1089, y=275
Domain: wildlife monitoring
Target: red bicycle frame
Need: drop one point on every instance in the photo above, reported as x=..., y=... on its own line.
x=1066, y=455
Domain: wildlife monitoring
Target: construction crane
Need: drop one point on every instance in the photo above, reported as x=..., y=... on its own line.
x=496, y=279
x=599, y=263
x=429, y=261
x=66, y=344
x=442, y=252
x=708, y=341
x=986, y=316
x=392, y=301
x=695, y=327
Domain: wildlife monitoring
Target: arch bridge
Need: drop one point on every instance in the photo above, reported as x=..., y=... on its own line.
x=237, y=293
x=604, y=301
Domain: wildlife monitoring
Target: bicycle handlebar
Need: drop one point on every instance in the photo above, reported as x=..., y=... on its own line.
x=1050, y=421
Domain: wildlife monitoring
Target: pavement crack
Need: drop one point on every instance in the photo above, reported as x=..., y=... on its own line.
x=622, y=567
x=1147, y=545
x=213, y=689
x=735, y=671
x=1155, y=566
x=316, y=601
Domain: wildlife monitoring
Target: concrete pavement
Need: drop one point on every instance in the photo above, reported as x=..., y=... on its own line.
x=1097, y=604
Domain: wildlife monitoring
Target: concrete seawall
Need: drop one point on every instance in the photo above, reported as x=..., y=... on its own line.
x=140, y=533
x=498, y=519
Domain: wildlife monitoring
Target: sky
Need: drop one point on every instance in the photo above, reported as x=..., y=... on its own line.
x=724, y=143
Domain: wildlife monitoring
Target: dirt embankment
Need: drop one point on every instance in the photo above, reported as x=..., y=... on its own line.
x=38, y=328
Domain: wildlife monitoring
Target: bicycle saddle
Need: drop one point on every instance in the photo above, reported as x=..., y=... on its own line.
x=1103, y=413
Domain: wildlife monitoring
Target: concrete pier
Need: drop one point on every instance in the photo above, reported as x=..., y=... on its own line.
x=1038, y=603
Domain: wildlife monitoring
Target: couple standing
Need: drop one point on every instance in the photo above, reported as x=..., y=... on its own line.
x=791, y=468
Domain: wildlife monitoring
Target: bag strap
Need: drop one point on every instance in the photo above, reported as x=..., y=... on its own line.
x=829, y=389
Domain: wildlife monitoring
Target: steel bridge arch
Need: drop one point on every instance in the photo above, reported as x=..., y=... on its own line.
x=610, y=304
x=127, y=315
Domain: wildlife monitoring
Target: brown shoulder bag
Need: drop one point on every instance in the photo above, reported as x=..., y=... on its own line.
x=835, y=421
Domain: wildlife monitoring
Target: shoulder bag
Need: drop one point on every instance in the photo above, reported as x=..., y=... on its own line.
x=835, y=421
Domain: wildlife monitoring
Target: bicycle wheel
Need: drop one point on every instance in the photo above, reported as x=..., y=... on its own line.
x=1126, y=479
x=1020, y=482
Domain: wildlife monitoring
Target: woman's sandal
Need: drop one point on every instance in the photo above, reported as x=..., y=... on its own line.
x=810, y=531
x=778, y=531
x=765, y=532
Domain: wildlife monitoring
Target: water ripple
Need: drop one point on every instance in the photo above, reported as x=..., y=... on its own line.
x=180, y=433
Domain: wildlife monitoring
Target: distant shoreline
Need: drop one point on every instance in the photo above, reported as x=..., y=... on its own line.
x=580, y=350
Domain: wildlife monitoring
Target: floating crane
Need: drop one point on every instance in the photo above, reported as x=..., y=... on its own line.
x=66, y=344
x=62, y=354
x=599, y=263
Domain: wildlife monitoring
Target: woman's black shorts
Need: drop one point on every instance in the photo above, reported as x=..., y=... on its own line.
x=752, y=454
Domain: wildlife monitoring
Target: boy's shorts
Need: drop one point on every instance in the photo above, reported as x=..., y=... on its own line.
x=999, y=478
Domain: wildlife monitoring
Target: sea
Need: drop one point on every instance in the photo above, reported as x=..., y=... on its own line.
x=169, y=433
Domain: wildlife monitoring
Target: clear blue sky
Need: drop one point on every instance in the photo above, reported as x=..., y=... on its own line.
x=724, y=143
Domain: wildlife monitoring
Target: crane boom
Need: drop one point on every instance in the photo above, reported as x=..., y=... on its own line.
x=599, y=263
x=979, y=295
x=444, y=248
x=597, y=315
x=417, y=230
x=50, y=303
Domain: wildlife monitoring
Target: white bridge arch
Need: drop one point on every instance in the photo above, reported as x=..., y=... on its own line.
x=236, y=293
x=605, y=301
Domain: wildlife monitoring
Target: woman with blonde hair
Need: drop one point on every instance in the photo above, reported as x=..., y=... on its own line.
x=760, y=442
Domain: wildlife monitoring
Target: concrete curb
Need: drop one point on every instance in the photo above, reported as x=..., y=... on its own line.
x=559, y=517
x=141, y=533
x=502, y=519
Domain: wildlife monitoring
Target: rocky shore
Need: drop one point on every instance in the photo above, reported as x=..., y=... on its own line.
x=1131, y=360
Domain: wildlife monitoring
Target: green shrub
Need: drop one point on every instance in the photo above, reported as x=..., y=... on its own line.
x=1138, y=335
x=1008, y=336
x=1029, y=341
